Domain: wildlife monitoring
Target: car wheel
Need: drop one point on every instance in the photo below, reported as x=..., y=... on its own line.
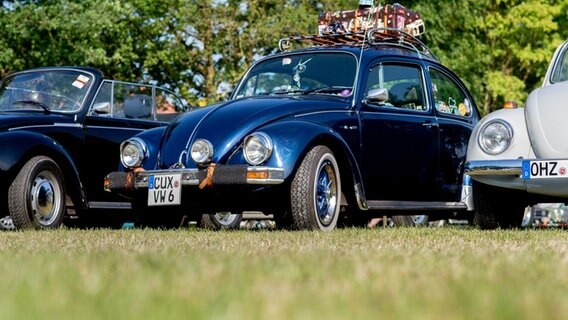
x=410, y=221
x=36, y=197
x=316, y=190
x=497, y=207
x=221, y=220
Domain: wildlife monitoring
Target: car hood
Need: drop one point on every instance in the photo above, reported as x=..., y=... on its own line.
x=226, y=125
x=13, y=120
x=546, y=114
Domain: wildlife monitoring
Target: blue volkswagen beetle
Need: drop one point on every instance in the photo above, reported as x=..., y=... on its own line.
x=370, y=123
x=60, y=129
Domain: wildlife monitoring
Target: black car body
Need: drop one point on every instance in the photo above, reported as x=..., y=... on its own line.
x=370, y=125
x=60, y=129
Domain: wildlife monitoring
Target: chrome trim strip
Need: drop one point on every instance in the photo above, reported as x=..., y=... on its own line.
x=494, y=167
x=322, y=112
x=68, y=125
x=110, y=205
x=415, y=205
x=361, y=202
x=115, y=128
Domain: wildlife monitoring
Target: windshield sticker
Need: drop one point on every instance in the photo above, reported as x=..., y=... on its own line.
x=83, y=79
x=286, y=61
x=80, y=82
x=345, y=92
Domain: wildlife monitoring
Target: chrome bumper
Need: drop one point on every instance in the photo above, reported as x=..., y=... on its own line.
x=213, y=175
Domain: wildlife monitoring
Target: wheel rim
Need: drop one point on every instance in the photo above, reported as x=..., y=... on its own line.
x=326, y=193
x=45, y=194
x=225, y=218
x=419, y=219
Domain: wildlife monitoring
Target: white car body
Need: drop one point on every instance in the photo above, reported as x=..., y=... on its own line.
x=530, y=148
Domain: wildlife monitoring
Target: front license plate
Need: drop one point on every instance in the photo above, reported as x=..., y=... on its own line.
x=545, y=169
x=164, y=190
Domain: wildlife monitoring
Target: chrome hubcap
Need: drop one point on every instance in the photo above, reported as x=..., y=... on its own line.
x=419, y=220
x=44, y=202
x=326, y=193
x=225, y=218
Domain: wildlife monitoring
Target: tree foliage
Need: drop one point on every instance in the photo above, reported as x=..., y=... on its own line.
x=500, y=48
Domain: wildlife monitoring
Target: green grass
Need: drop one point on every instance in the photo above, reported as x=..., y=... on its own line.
x=425, y=273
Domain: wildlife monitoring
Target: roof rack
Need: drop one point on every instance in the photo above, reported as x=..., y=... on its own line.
x=373, y=37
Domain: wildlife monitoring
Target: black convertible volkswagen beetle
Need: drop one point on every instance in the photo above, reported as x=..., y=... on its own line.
x=60, y=129
x=368, y=122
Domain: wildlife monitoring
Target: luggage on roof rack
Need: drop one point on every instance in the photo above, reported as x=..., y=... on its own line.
x=373, y=37
x=393, y=16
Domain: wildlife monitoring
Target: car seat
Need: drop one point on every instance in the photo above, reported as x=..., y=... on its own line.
x=138, y=106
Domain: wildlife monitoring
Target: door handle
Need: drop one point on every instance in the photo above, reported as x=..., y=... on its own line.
x=430, y=124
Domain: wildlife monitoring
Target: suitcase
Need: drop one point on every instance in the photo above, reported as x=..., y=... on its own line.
x=398, y=17
x=389, y=16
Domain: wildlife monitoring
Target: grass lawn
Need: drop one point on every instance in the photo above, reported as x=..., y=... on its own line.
x=393, y=273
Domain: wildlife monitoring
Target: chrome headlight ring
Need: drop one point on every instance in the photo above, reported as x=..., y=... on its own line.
x=257, y=148
x=133, y=152
x=495, y=137
x=201, y=151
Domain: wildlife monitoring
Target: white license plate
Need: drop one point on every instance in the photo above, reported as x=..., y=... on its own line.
x=545, y=169
x=164, y=190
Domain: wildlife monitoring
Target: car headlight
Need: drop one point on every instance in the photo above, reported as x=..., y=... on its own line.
x=133, y=152
x=495, y=137
x=201, y=151
x=257, y=148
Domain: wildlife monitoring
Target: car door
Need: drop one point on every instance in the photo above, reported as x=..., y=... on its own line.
x=119, y=111
x=457, y=116
x=400, y=136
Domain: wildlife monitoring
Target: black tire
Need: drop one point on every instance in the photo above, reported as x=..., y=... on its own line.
x=315, y=193
x=410, y=221
x=221, y=221
x=497, y=207
x=36, y=197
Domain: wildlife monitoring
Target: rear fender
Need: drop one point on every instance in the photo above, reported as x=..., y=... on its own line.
x=20, y=146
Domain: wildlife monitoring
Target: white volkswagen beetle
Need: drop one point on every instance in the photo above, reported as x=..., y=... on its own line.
x=518, y=157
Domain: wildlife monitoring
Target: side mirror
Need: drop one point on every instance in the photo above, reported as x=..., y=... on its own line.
x=377, y=96
x=101, y=108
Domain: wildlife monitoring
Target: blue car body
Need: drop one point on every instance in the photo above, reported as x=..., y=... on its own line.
x=64, y=116
x=389, y=157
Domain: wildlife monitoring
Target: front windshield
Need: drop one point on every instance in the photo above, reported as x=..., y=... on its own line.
x=309, y=73
x=54, y=90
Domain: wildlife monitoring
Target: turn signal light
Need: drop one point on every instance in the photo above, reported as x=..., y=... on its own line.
x=257, y=175
x=510, y=105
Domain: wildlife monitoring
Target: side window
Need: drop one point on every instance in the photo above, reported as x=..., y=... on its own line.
x=168, y=102
x=448, y=96
x=403, y=83
x=132, y=101
x=561, y=69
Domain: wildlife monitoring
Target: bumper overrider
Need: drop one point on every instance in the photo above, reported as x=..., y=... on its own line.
x=214, y=174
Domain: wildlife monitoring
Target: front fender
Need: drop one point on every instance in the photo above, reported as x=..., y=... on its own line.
x=153, y=138
x=520, y=146
x=20, y=146
x=293, y=140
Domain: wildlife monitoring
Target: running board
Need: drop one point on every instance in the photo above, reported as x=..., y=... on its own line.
x=415, y=205
x=110, y=205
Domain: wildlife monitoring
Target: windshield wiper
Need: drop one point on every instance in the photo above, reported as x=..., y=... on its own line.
x=331, y=89
x=34, y=103
x=288, y=91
